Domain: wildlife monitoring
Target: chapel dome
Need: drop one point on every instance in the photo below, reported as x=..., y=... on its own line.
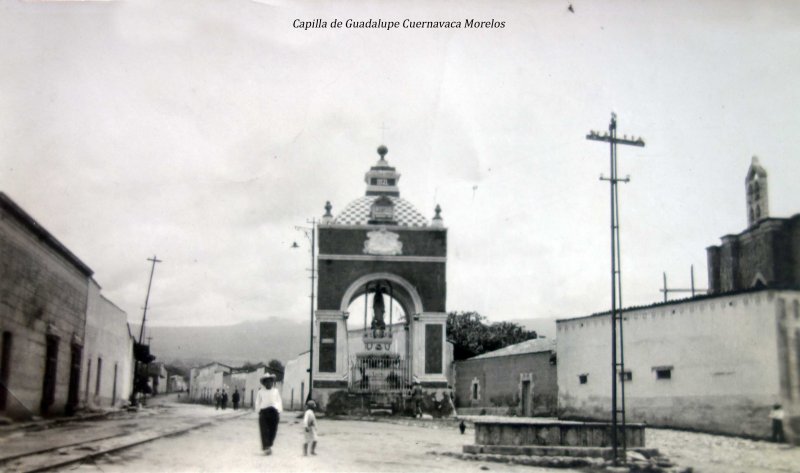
x=382, y=204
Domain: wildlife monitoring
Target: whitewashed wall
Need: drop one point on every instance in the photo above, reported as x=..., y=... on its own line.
x=295, y=382
x=724, y=357
x=108, y=339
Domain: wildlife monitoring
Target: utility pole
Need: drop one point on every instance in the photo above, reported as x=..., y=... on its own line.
x=691, y=289
x=617, y=367
x=137, y=365
x=147, y=297
x=311, y=234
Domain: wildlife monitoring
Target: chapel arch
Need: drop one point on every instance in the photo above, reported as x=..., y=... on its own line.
x=380, y=242
x=404, y=292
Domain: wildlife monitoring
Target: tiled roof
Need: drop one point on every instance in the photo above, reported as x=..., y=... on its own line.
x=536, y=345
x=357, y=213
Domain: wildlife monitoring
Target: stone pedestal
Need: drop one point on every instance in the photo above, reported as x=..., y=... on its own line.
x=548, y=437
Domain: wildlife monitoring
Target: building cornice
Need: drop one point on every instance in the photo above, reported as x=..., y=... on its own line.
x=400, y=259
x=339, y=226
x=34, y=227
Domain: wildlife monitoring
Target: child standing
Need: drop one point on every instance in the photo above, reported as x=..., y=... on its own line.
x=310, y=424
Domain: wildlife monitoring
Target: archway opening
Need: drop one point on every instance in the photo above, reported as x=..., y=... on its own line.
x=379, y=337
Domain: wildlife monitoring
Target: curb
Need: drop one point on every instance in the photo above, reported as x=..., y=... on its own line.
x=126, y=446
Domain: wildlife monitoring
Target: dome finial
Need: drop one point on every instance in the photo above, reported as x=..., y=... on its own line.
x=382, y=150
x=437, y=219
x=328, y=217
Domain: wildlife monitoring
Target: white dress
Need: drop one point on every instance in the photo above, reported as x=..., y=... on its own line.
x=310, y=424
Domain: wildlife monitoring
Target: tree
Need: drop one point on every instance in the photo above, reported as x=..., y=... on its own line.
x=277, y=367
x=471, y=336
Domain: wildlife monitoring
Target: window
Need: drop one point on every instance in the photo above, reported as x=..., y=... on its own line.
x=626, y=375
x=583, y=378
x=327, y=347
x=475, y=391
x=663, y=372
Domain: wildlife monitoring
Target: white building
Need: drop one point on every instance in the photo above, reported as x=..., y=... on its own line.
x=108, y=352
x=247, y=381
x=206, y=380
x=714, y=363
x=295, y=382
x=176, y=384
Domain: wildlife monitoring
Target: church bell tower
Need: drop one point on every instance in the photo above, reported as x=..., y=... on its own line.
x=756, y=185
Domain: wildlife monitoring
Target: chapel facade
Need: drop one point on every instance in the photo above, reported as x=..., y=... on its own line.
x=382, y=251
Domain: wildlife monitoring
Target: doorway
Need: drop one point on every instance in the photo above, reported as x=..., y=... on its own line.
x=74, y=379
x=526, y=398
x=49, y=381
x=5, y=370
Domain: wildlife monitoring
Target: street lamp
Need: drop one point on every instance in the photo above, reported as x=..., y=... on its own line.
x=311, y=234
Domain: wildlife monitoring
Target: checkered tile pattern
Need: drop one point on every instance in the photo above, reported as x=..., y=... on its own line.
x=357, y=213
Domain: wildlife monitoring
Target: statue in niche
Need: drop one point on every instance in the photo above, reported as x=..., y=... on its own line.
x=378, y=309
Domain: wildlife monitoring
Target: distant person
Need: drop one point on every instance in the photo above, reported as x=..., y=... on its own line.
x=235, y=399
x=777, y=423
x=269, y=407
x=416, y=395
x=462, y=427
x=217, y=399
x=224, y=400
x=310, y=424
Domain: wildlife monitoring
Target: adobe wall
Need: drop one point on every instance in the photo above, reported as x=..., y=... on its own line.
x=295, y=382
x=107, y=339
x=41, y=293
x=724, y=359
x=499, y=382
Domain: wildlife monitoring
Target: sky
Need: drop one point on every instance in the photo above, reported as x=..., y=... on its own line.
x=204, y=132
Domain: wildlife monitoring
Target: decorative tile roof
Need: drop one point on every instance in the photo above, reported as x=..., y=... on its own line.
x=536, y=345
x=357, y=212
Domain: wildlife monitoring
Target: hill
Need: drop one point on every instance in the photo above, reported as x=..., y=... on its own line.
x=234, y=345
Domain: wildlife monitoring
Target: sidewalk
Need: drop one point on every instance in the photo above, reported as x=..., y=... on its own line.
x=32, y=446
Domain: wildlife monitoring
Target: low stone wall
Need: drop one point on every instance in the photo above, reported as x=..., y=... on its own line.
x=479, y=411
x=553, y=433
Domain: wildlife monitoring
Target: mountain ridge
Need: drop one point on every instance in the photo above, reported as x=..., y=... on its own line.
x=250, y=341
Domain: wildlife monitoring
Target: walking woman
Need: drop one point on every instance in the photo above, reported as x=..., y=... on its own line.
x=269, y=407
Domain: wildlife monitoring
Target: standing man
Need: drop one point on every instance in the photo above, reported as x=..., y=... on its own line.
x=776, y=415
x=217, y=399
x=235, y=399
x=269, y=407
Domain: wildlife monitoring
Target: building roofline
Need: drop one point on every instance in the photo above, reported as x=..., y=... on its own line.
x=505, y=355
x=214, y=363
x=755, y=226
x=702, y=297
x=34, y=227
x=115, y=305
x=547, y=345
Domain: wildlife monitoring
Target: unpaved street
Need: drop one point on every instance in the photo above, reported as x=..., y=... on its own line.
x=227, y=441
x=717, y=454
x=344, y=446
